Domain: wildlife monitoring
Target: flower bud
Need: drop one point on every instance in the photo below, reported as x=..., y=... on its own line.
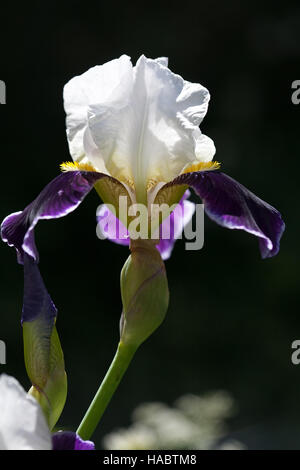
x=44, y=359
x=46, y=370
x=145, y=293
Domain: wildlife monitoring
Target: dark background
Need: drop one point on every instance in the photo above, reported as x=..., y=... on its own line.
x=232, y=317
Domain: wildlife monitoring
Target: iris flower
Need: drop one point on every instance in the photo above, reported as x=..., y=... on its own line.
x=133, y=131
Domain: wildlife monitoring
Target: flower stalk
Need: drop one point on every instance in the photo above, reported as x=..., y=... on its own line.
x=106, y=390
x=145, y=297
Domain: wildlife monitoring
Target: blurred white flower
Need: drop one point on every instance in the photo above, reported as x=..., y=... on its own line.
x=193, y=423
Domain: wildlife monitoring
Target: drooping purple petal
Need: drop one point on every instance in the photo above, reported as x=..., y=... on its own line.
x=233, y=206
x=42, y=350
x=66, y=440
x=110, y=227
x=60, y=197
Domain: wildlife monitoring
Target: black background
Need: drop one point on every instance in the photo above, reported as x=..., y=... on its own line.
x=232, y=317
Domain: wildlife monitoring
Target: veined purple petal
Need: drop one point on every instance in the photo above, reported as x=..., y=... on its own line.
x=42, y=351
x=233, y=206
x=66, y=440
x=60, y=197
x=170, y=229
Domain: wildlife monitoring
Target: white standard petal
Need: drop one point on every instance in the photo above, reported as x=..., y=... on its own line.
x=100, y=84
x=22, y=423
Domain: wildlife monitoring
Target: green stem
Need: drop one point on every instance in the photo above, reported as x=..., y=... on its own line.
x=106, y=390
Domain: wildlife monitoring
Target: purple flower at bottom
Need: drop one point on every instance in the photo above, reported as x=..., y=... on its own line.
x=67, y=440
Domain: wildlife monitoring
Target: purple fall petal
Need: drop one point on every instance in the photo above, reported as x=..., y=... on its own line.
x=66, y=440
x=232, y=205
x=60, y=197
x=114, y=230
